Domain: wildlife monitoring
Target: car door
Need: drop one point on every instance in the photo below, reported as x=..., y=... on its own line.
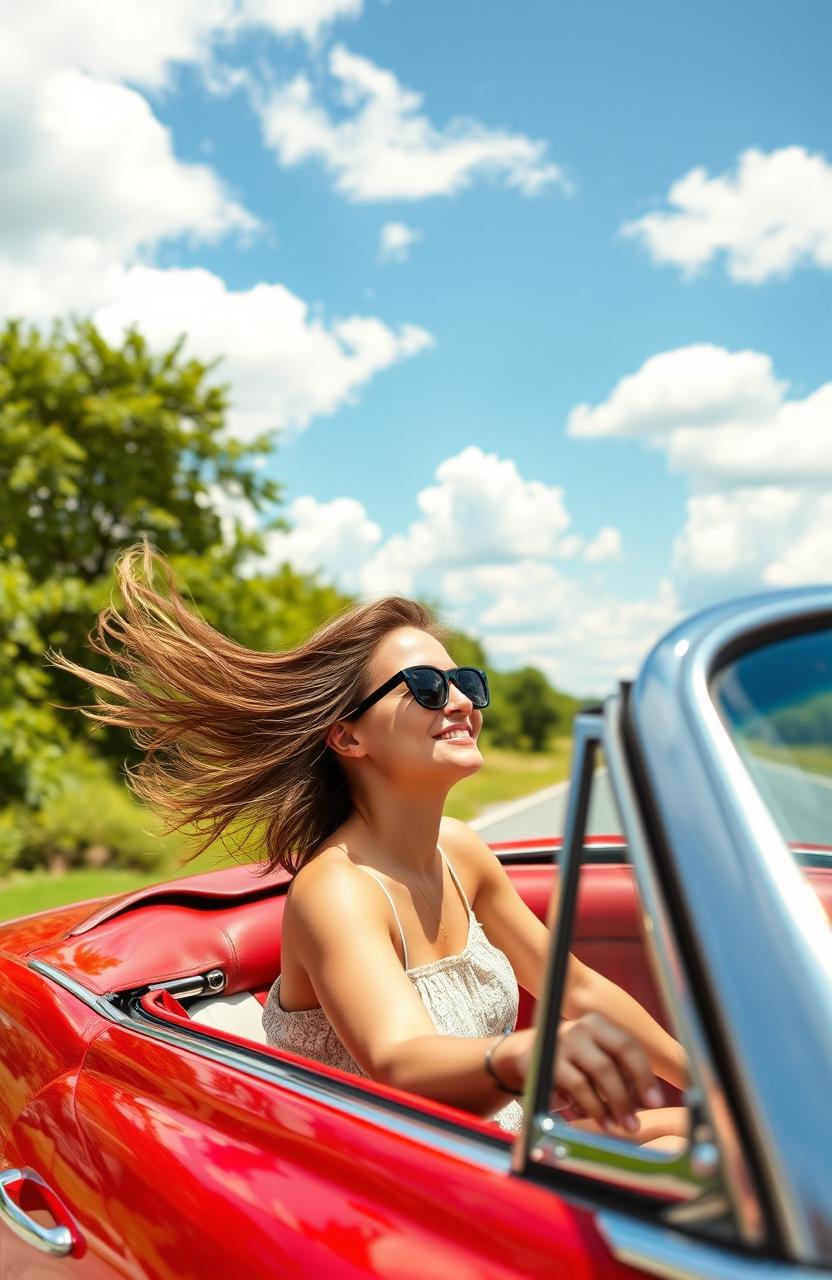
x=50, y=1207
x=235, y=1163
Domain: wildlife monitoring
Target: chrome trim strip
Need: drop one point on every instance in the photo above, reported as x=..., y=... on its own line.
x=101, y=1004
x=585, y=738
x=674, y=987
x=659, y=1251
x=562, y=1146
x=296, y=1079
x=765, y=944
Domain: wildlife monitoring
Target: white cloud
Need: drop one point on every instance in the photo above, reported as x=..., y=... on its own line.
x=529, y=613
x=335, y=536
x=284, y=364
x=89, y=162
x=606, y=545
x=124, y=40
x=770, y=216
x=131, y=40
x=384, y=148
x=92, y=188
x=480, y=512
x=396, y=240
x=700, y=385
x=808, y=557
x=721, y=417
x=751, y=539
x=487, y=545
x=307, y=18
x=758, y=466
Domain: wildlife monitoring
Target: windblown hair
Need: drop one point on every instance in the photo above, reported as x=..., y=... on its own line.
x=234, y=739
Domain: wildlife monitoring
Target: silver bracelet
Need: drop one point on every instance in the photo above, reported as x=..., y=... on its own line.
x=492, y=1071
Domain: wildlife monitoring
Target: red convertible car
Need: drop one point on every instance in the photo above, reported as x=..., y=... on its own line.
x=146, y=1129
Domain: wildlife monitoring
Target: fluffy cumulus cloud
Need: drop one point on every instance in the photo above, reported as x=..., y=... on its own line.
x=92, y=187
x=495, y=549
x=758, y=466
x=130, y=40
x=768, y=217
x=307, y=18
x=334, y=537
x=481, y=511
x=722, y=417
x=396, y=241
x=383, y=147
x=284, y=364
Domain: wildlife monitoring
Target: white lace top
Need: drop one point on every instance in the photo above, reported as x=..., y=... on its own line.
x=472, y=994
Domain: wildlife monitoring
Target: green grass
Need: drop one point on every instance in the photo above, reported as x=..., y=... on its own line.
x=812, y=759
x=508, y=775
x=505, y=776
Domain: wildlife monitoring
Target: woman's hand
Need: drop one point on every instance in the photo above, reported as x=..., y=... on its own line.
x=601, y=1071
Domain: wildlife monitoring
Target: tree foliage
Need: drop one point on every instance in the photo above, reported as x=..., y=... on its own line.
x=101, y=445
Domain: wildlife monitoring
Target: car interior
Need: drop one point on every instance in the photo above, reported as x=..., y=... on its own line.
x=202, y=952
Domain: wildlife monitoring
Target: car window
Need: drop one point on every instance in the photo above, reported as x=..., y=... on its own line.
x=777, y=704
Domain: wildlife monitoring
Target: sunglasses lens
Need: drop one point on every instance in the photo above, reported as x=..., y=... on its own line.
x=473, y=684
x=428, y=687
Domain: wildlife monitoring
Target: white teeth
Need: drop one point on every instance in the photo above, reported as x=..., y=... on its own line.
x=456, y=733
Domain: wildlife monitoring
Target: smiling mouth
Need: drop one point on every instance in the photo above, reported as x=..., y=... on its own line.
x=455, y=735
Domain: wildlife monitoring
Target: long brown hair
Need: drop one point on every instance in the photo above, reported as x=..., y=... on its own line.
x=234, y=739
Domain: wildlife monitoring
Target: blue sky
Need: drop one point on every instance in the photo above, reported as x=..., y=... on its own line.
x=229, y=170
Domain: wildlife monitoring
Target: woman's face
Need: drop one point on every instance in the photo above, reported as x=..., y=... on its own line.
x=406, y=739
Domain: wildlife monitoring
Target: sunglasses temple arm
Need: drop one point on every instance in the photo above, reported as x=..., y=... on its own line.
x=375, y=696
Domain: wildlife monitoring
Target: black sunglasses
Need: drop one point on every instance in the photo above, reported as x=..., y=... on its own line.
x=431, y=687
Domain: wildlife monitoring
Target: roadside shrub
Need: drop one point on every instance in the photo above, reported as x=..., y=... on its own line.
x=84, y=817
x=98, y=824
x=13, y=821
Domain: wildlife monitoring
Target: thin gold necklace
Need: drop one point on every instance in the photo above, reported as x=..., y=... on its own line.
x=433, y=908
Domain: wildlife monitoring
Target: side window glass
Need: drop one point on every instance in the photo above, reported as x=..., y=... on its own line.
x=602, y=920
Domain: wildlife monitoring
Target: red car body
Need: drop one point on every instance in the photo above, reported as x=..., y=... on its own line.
x=167, y=1163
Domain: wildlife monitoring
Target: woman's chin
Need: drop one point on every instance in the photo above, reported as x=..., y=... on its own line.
x=463, y=757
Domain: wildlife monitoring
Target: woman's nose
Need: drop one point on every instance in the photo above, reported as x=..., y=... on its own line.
x=459, y=700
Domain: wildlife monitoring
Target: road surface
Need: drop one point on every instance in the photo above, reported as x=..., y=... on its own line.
x=543, y=813
x=800, y=802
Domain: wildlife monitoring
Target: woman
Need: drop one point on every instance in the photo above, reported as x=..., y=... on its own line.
x=403, y=938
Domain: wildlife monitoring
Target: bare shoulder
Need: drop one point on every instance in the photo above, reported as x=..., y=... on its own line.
x=329, y=886
x=472, y=859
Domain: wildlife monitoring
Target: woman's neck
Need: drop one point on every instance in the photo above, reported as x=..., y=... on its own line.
x=402, y=831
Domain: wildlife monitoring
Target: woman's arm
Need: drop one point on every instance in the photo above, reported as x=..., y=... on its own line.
x=516, y=930
x=338, y=927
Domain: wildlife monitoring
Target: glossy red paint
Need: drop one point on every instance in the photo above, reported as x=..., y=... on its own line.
x=44, y=1037
x=170, y=1161
x=269, y=1183
x=171, y=1164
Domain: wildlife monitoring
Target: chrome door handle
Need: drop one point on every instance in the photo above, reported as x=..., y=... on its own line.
x=57, y=1241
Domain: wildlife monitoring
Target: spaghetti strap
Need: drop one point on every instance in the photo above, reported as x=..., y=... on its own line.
x=386, y=893
x=455, y=879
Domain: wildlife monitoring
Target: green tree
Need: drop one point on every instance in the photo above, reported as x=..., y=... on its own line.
x=101, y=445
x=529, y=711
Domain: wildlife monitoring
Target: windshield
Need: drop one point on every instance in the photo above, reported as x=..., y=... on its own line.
x=777, y=701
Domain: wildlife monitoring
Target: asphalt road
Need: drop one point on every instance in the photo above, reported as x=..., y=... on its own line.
x=801, y=803
x=543, y=813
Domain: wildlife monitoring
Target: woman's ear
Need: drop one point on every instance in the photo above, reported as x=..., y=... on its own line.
x=343, y=741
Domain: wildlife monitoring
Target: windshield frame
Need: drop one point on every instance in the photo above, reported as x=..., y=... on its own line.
x=749, y=908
